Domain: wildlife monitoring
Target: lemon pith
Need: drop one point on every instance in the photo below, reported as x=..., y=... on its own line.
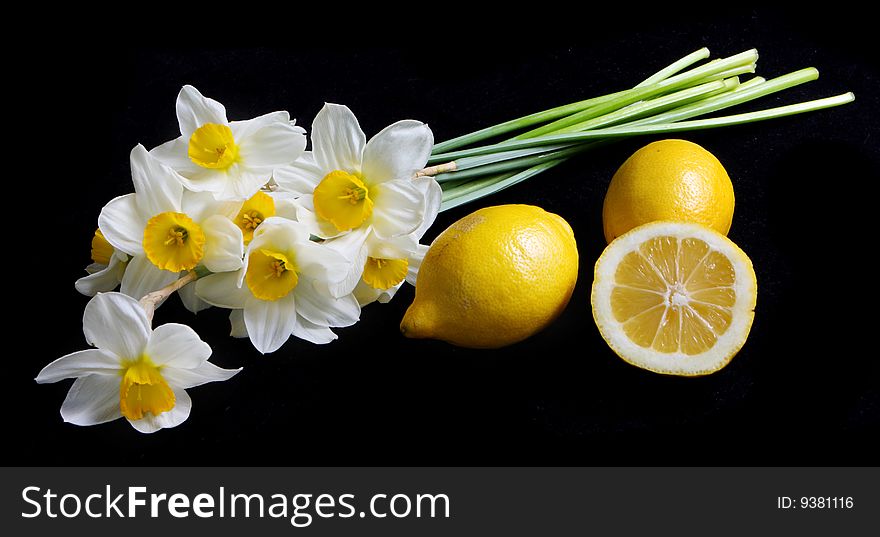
x=668, y=180
x=674, y=298
x=494, y=278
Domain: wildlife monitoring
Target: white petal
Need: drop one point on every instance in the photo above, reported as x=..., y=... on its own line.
x=92, y=400
x=122, y=224
x=237, y=326
x=178, y=346
x=280, y=234
x=433, y=197
x=285, y=207
x=312, y=332
x=206, y=372
x=398, y=152
x=415, y=262
x=352, y=246
x=224, y=244
x=337, y=139
x=305, y=214
x=322, y=263
x=103, y=281
x=301, y=176
x=241, y=274
x=202, y=205
x=245, y=128
x=399, y=208
x=354, y=274
x=79, y=364
x=175, y=154
x=158, y=187
x=194, y=110
x=143, y=277
x=116, y=323
x=174, y=417
x=393, y=248
x=191, y=300
x=222, y=290
x=273, y=145
x=242, y=182
x=366, y=294
x=317, y=306
x=387, y=294
x=349, y=244
x=93, y=268
x=206, y=180
x=270, y=323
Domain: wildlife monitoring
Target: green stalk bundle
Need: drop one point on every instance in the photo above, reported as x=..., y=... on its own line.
x=467, y=168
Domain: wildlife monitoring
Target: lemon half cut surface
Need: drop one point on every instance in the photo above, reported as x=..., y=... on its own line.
x=674, y=298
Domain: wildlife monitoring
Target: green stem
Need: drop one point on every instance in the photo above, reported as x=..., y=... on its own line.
x=641, y=109
x=152, y=300
x=744, y=59
x=521, y=123
x=753, y=91
x=469, y=191
x=663, y=103
x=511, y=160
x=711, y=104
x=467, y=163
x=510, y=164
x=625, y=131
x=491, y=185
x=677, y=82
x=675, y=67
x=565, y=110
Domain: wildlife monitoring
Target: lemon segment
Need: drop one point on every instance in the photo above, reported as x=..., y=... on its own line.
x=675, y=298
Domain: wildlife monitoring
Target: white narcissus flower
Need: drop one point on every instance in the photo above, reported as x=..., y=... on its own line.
x=388, y=262
x=362, y=194
x=107, y=268
x=230, y=159
x=135, y=372
x=167, y=230
x=261, y=206
x=288, y=285
x=385, y=272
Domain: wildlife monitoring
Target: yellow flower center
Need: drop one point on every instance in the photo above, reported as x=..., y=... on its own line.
x=384, y=273
x=101, y=249
x=258, y=208
x=212, y=146
x=343, y=199
x=270, y=275
x=172, y=241
x=143, y=389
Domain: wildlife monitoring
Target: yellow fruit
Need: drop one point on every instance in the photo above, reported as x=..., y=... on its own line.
x=674, y=298
x=668, y=180
x=494, y=278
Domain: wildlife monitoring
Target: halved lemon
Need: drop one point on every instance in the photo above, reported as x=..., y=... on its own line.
x=674, y=298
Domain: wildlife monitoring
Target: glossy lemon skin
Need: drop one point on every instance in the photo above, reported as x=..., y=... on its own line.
x=674, y=180
x=493, y=278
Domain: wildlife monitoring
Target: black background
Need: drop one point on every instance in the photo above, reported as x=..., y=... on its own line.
x=803, y=391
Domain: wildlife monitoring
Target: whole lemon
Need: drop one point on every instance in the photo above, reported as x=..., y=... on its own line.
x=494, y=278
x=668, y=180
